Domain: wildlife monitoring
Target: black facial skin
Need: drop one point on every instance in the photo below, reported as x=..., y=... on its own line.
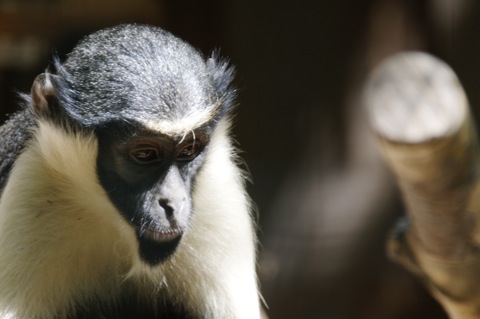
x=148, y=176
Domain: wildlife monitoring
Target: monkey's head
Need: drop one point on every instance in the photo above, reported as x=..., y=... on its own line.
x=153, y=102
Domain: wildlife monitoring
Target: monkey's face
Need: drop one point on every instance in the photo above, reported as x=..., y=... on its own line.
x=149, y=177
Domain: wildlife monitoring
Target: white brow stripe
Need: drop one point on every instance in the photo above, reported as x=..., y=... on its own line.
x=180, y=126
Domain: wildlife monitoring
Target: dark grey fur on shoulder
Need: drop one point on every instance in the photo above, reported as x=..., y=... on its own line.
x=13, y=135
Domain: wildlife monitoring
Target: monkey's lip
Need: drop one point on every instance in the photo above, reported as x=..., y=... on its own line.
x=158, y=235
x=161, y=235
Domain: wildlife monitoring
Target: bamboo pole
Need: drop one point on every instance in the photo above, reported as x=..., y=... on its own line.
x=421, y=115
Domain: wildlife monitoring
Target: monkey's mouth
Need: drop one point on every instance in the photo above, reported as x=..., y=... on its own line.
x=156, y=234
x=161, y=235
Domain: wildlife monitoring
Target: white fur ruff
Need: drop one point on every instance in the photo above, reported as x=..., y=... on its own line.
x=62, y=242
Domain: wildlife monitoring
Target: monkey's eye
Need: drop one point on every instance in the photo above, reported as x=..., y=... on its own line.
x=145, y=155
x=188, y=152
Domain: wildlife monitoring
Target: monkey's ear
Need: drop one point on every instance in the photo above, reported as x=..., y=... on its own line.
x=44, y=100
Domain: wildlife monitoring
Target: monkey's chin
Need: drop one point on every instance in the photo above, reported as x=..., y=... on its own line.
x=157, y=245
x=157, y=248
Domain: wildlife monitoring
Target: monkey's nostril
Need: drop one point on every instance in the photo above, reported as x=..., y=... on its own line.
x=166, y=207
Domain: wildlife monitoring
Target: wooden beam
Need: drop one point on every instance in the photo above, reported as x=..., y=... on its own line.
x=421, y=115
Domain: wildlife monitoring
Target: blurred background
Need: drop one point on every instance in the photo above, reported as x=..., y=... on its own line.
x=325, y=200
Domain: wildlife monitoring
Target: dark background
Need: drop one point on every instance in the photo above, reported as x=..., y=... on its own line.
x=325, y=200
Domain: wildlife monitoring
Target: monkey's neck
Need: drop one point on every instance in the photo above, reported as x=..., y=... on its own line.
x=130, y=306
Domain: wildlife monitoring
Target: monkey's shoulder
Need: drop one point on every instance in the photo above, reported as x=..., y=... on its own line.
x=14, y=134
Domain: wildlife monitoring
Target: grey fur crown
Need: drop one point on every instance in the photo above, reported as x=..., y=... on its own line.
x=133, y=72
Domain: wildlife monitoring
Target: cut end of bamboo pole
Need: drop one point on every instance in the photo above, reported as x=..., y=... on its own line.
x=414, y=97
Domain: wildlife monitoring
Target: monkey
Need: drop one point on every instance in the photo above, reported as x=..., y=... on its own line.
x=121, y=193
